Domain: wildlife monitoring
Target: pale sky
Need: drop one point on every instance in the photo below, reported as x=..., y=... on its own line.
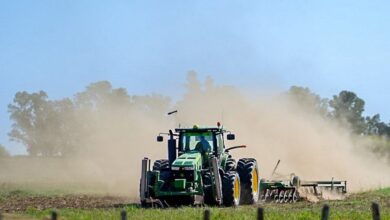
x=148, y=46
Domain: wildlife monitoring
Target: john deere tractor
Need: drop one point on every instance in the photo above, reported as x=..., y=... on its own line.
x=199, y=170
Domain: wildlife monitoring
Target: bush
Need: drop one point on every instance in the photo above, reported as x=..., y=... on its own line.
x=3, y=151
x=381, y=146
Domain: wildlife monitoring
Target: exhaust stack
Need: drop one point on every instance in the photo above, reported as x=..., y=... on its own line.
x=145, y=167
x=171, y=148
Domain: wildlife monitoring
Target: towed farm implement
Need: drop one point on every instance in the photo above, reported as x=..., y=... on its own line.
x=283, y=190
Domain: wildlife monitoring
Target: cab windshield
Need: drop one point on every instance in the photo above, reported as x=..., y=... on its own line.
x=198, y=141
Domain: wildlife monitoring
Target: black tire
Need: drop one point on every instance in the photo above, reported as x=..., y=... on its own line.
x=263, y=192
x=231, y=189
x=208, y=196
x=165, y=171
x=296, y=181
x=249, y=176
x=161, y=165
x=230, y=165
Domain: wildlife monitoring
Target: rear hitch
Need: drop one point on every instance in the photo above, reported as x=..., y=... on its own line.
x=155, y=203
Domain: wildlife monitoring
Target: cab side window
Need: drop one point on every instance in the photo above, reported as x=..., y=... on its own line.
x=219, y=143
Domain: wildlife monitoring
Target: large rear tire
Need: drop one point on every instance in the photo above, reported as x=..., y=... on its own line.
x=230, y=165
x=231, y=188
x=249, y=176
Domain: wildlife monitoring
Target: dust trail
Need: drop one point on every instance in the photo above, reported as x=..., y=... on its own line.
x=278, y=128
x=116, y=138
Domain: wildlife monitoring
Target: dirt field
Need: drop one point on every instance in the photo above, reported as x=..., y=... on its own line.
x=18, y=203
x=26, y=205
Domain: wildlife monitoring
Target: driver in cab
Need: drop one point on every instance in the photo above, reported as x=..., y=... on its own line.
x=203, y=145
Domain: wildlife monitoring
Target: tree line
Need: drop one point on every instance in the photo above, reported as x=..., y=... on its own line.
x=57, y=127
x=346, y=108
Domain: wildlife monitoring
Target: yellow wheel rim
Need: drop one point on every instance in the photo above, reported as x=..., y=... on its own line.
x=236, y=189
x=255, y=183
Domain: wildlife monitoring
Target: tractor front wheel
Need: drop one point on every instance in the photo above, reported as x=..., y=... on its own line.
x=209, y=198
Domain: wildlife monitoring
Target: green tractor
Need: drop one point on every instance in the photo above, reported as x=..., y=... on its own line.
x=199, y=170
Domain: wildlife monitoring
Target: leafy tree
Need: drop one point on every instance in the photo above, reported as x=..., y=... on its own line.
x=65, y=137
x=151, y=104
x=383, y=129
x=193, y=86
x=60, y=127
x=36, y=123
x=376, y=127
x=308, y=100
x=3, y=151
x=348, y=107
x=100, y=94
x=372, y=124
x=27, y=112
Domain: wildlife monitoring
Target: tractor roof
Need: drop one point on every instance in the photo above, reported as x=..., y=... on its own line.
x=197, y=129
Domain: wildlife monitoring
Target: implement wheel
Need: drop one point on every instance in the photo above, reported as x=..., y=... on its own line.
x=231, y=189
x=249, y=176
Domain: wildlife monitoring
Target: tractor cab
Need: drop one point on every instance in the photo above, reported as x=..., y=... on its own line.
x=202, y=140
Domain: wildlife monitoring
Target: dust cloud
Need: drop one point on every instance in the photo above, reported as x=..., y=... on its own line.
x=276, y=127
x=115, y=139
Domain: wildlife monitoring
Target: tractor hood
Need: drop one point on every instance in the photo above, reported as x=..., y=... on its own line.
x=190, y=160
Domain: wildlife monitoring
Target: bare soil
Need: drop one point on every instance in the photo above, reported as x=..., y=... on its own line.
x=15, y=203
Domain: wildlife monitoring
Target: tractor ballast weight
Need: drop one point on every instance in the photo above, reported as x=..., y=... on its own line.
x=199, y=170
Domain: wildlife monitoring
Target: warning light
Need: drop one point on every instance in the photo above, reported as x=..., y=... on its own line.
x=218, y=124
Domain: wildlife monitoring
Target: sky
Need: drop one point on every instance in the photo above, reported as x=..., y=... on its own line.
x=149, y=46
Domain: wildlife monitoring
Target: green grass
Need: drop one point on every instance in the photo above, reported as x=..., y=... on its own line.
x=245, y=212
x=356, y=206
x=36, y=189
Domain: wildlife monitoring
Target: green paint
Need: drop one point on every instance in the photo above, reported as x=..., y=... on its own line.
x=180, y=184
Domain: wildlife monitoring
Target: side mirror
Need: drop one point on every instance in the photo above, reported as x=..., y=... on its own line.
x=231, y=137
x=160, y=138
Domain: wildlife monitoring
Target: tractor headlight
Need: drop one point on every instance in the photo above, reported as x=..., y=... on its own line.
x=188, y=168
x=183, y=168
